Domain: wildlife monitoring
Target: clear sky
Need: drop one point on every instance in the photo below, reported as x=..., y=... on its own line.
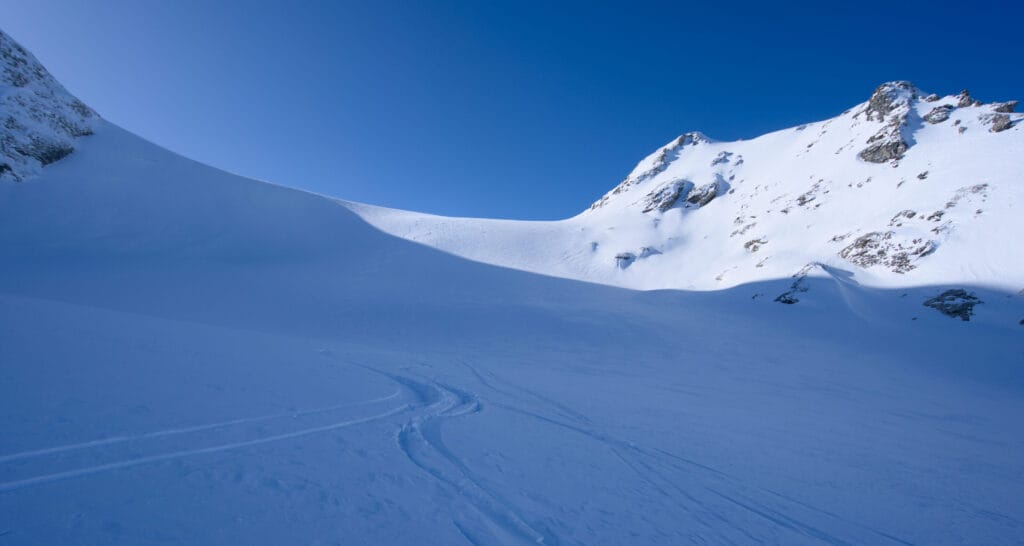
x=515, y=109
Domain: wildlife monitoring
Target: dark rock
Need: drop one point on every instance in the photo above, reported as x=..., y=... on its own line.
x=999, y=122
x=931, y=98
x=662, y=160
x=964, y=99
x=722, y=157
x=938, y=114
x=40, y=119
x=885, y=99
x=902, y=216
x=624, y=259
x=955, y=303
x=787, y=297
x=798, y=286
x=922, y=175
x=890, y=104
x=754, y=245
x=882, y=248
x=703, y=195
x=884, y=152
x=47, y=152
x=1004, y=107
x=667, y=196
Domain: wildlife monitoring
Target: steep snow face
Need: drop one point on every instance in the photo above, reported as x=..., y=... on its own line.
x=40, y=119
x=904, y=189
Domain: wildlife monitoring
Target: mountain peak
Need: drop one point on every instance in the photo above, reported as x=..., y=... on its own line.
x=900, y=190
x=891, y=96
x=41, y=120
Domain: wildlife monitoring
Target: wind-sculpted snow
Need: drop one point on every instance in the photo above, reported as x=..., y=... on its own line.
x=187, y=356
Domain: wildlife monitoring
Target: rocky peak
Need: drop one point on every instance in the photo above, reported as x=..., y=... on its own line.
x=964, y=99
x=891, y=104
x=890, y=97
x=39, y=119
x=655, y=164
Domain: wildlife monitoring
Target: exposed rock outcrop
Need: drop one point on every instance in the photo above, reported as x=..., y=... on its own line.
x=1004, y=107
x=754, y=245
x=799, y=286
x=997, y=122
x=889, y=105
x=680, y=192
x=955, y=303
x=964, y=99
x=884, y=152
x=884, y=249
x=667, y=196
x=703, y=195
x=41, y=120
x=624, y=259
x=939, y=114
x=654, y=164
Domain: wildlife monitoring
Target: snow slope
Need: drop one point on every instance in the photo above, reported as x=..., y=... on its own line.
x=191, y=356
x=700, y=214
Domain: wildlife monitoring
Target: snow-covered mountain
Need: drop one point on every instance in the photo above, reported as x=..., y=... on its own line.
x=189, y=356
x=905, y=189
x=41, y=120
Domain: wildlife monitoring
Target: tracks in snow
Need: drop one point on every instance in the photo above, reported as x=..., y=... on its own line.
x=716, y=506
x=186, y=430
x=480, y=514
x=182, y=453
x=722, y=508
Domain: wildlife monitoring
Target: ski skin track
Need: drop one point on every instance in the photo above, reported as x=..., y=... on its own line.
x=420, y=440
x=38, y=480
x=186, y=430
x=731, y=505
x=643, y=460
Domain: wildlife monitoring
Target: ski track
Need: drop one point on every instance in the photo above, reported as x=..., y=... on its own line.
x=186, y=430
x=421, y=441
x=28, y=482
x=645, y=462
x=487, y=517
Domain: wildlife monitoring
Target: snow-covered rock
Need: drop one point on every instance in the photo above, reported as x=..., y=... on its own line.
x=189, y=356
x=39, y=119
x=945, y=169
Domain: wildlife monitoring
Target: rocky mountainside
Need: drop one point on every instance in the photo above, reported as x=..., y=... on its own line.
x=41, y=120
x=905, y=189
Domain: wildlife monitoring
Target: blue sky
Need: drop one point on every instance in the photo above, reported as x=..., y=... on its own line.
x=506, y=109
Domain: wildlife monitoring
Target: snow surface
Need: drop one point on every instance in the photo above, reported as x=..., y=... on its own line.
x=800, y=195
x=188, y=356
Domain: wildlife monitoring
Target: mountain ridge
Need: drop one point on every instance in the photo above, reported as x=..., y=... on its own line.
x=191, y=356
x=41, y=120
x=883, y=190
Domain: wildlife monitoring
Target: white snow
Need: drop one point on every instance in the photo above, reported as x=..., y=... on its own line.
x=188, y=356
x=797, y=190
